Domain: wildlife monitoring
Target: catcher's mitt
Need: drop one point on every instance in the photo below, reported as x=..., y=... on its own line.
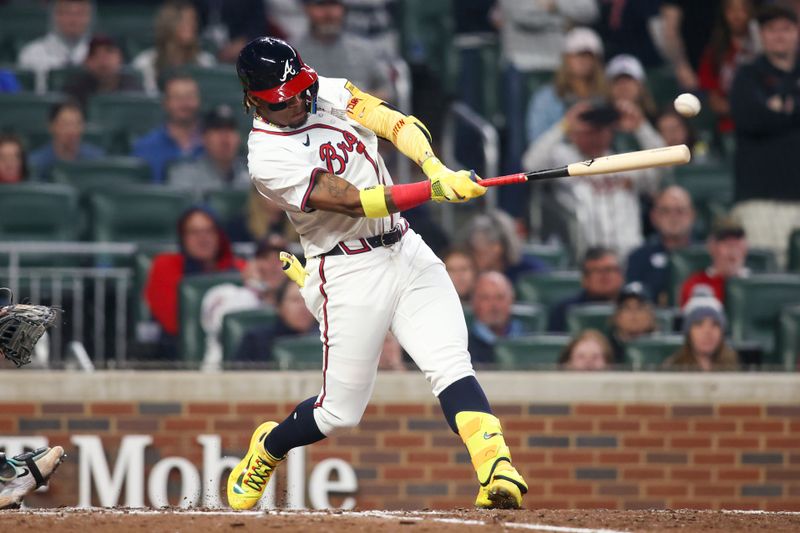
x=21, y=327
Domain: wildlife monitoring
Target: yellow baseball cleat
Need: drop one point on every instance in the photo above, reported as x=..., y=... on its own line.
x=247, y=481
x=502, y=486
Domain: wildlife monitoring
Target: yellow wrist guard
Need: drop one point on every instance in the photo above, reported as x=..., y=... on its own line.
x=432, y=166
x=373, y=200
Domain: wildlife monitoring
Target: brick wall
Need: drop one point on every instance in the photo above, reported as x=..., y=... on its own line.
x=574, y=455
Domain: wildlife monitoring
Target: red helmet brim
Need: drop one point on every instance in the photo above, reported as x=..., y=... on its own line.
x=302, y=81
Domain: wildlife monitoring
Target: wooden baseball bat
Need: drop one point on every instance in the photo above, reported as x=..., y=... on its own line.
x=657, y=157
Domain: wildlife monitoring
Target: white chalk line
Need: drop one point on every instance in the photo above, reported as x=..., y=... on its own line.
x=415, y=516
x=759, y=511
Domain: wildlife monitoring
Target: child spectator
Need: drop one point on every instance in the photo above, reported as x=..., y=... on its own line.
x=704, y=346
x=588, y=351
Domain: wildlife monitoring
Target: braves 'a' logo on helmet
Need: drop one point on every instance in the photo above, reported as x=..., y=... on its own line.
x=288, y=70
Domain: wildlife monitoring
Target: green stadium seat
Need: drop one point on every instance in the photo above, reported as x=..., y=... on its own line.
x=553, y=254
x=790, y=337
x=665, y=318
x=589, y=316
x=533, y=352
x=57, y=78
x=663, y=85
x=25, y=112
x=122, y=113
x=694, y=258
x=219, y=85
x=132, y=24
x=794, y=251
x=711, y=188
x=548, y=289
x=650, y=352
x=426, y=30
x=38, y=212
x=298, y=353
x=142, y=262
x=191, y=338
x=109, y=172
x=236, y=325
x=19, y=24
x=228, y=204
x=754, y=305
x=143, y=214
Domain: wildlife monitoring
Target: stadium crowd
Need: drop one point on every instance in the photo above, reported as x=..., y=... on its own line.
x=685, y=268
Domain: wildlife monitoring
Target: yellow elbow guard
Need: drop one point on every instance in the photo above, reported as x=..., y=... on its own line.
x=406, y=132
x=373, y=200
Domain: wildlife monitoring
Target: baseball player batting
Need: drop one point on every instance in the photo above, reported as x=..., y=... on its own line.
x=313, y=149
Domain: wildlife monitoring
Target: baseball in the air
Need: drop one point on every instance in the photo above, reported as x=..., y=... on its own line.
x=687, y=105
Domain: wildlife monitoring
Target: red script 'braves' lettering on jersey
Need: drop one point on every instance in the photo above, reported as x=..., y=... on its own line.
x=285, y=162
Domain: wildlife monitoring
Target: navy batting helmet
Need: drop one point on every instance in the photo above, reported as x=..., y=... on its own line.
x=271, y=69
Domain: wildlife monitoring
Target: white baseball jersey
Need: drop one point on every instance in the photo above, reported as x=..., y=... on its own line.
x=284, y=163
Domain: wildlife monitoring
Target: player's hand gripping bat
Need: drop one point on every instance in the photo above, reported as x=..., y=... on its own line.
x=657, y=157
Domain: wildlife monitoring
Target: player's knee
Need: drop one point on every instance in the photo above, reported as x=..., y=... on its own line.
x=331, y=421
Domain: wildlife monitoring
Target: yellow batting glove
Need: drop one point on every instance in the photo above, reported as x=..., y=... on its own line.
x=449, y=186
x=293, y=268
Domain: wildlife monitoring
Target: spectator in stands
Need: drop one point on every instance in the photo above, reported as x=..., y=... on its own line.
x=463, y=272
x=672, y=216
x=263, y=278
x=337, y=53
x=685, y=36
x=66, y=131
x=221, y=167
x=633, y=317
x=727, y=245
x=177, y=45
x=261, y=217
x=495, y=246
x=579, y=77
x=231, y=24
x=604, y=210
x=676, y=129
x=589, y=350
x=765, y=105
x=101, y=72
x=734, y=41
x=65, y=45
x=704, y=347
x=491, y=303
x=294, y=319
x=204, y=249
x=373, y=21
x=627, y=83
x=627, y=28
x=532, y=38
x=601, y=281
x=179, y=137
x=13, y=160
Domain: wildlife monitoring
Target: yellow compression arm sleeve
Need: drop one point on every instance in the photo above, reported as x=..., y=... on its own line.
x=406, y=132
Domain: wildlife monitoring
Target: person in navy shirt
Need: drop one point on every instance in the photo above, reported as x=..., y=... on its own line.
x=179, y=137
x=673, y=217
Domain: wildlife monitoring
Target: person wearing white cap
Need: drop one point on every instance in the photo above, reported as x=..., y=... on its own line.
x=580, y=76
x=704, y=346
x=628, y=82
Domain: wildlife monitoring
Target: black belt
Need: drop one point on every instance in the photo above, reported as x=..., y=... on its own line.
x=378, y=241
